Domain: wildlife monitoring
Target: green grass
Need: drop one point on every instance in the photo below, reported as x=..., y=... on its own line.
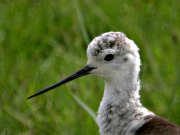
x=42, y=42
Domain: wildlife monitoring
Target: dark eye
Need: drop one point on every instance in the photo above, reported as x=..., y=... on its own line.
x=109, y=57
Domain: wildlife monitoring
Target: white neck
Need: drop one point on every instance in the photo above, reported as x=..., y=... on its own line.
x=122, y=90
x=120, y=107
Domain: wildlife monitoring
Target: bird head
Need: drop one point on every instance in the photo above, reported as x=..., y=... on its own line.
x=113, y=54
x=110, y=55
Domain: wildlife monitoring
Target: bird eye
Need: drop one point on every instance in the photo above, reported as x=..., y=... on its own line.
x=109, y=57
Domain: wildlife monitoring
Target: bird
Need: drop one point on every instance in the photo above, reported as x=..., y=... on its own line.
x=115, y=58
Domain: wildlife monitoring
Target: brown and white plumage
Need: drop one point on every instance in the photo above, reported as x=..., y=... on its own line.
x=120, y=111
x=158, y=126
x=115, y=58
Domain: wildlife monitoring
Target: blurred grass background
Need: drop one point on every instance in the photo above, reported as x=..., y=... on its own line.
x=42, y=42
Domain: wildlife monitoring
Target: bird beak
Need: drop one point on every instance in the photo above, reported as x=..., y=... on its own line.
x=84, y=71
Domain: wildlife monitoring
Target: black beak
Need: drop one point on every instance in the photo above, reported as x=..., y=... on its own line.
x=84, y=71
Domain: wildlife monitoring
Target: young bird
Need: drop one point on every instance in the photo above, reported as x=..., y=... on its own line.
x=115, y=58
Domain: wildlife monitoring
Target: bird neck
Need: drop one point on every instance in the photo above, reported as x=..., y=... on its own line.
x=122, y=89
x=121, y=107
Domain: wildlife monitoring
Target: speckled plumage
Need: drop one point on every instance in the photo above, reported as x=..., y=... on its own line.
x=120, y=111
x=111, y=40
x=115, y=58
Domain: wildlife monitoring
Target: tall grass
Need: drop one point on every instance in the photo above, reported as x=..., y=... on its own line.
x=42, y=42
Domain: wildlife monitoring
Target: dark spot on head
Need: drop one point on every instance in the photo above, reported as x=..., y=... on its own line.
x=109, y=106
x=95, y=52
x=111, y=44
x=122, y=115
x=125, y=59
x=110, y=112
